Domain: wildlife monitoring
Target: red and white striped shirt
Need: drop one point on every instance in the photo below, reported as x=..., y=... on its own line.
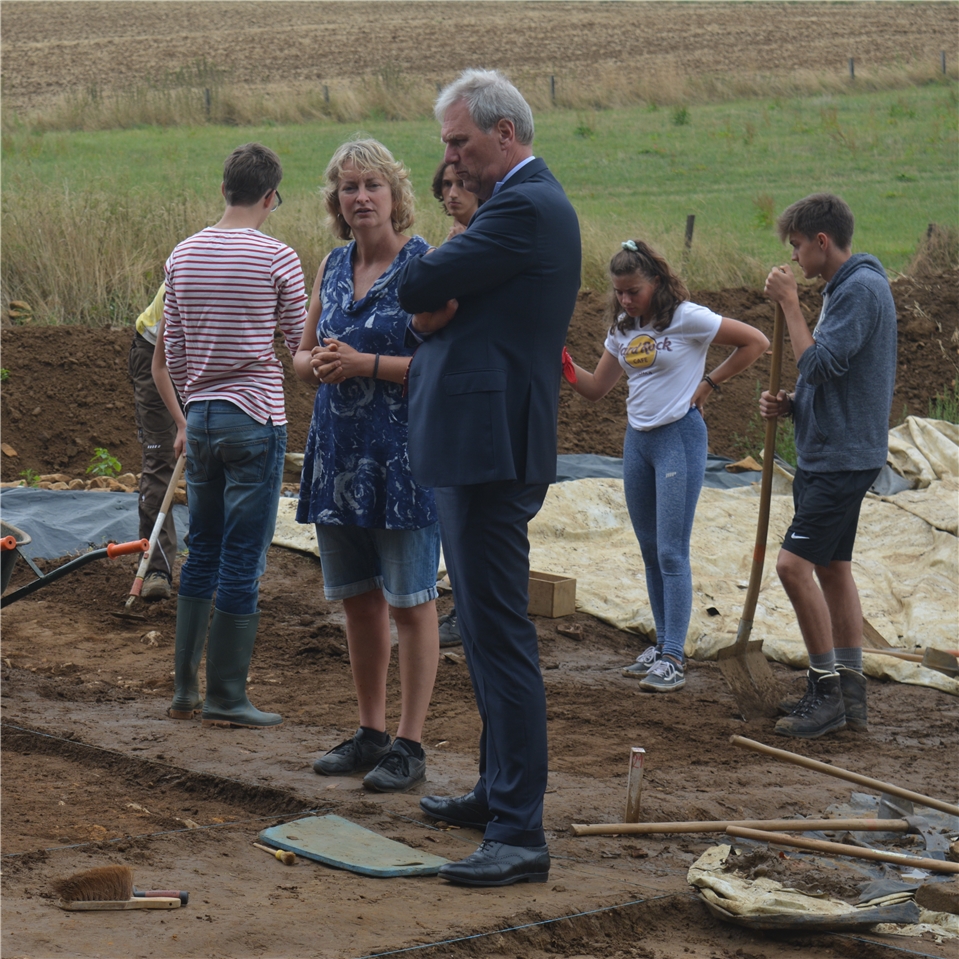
x=226, y=292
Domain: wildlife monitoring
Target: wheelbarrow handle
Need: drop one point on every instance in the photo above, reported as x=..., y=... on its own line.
x=8, y=542
x=114, y=549
x=122, y=549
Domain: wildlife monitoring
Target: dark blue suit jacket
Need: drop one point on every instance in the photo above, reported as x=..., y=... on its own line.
x=484, y=391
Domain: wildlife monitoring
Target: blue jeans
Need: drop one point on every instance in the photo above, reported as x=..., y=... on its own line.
x=662, y=477
x=234, y=471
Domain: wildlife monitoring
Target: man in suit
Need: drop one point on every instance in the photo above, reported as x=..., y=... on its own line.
x=492, y=307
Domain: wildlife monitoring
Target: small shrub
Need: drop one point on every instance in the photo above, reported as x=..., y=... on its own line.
x=680, y=116
x=4, y=374
x=103, y=464
x=765, y=215
x=584, y=131
x=30, y=477
x=945, y=406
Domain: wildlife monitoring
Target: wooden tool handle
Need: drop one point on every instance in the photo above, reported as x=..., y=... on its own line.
x=841, y=849
x=839, y=773
x=786, y=825
x=102, y=905
x=765, y=489
x=286, y=856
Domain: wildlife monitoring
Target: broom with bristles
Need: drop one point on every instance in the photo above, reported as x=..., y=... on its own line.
x=111, y=887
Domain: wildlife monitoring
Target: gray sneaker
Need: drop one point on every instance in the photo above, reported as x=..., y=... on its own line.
x=663, y=677
x=352, y=756
x=644, y=663
x=398, y=770
x=449, y=631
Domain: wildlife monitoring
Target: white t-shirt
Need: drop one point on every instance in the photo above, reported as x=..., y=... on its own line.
x=664, y=369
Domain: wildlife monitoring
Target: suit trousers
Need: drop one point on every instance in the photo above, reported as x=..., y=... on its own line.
x=486, y=546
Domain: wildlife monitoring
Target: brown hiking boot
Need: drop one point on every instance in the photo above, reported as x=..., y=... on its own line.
x=853, y=686
x=819, y=712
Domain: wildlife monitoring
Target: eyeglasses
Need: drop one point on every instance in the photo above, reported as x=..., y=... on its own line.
x=278, y=200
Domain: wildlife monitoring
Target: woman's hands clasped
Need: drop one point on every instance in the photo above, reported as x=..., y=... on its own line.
x=334, y=362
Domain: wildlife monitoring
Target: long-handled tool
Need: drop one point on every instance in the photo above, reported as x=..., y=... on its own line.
x=842, y=849
x=155, y=535
x=743, y=664
x=721, y=825
x=846, y=774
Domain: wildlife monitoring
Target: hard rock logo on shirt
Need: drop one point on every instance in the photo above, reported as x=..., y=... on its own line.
x=640, y=352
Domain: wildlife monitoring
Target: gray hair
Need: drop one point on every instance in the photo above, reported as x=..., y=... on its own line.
x=489, y=97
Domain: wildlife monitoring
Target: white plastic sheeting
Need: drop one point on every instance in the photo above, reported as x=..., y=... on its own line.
x=905, y=563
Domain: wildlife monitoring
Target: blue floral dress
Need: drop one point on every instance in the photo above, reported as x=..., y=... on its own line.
x=356, y=470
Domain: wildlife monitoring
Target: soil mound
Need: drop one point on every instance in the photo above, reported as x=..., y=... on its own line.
x=67, y=390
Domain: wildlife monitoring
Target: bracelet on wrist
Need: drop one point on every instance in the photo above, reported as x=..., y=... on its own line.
x=376, y=365
x=708, y=379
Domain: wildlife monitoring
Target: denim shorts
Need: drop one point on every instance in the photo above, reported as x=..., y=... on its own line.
x=400, y=562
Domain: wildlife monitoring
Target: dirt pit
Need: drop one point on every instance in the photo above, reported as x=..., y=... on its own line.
x=95, y=774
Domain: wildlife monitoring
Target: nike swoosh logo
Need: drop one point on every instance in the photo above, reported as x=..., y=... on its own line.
x=794, y=536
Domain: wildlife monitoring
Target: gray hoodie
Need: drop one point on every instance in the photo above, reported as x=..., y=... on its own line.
x=844, y=392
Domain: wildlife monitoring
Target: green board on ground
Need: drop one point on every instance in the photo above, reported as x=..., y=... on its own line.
x=338, y=842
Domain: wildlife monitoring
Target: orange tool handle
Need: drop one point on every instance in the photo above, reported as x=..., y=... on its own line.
x=122, y=549
x=8, y=542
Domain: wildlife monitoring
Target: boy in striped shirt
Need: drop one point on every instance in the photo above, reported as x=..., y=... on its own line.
x=228, y=288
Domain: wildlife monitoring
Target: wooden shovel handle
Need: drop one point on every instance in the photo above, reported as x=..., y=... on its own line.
x=839, y=773
x=766, y=488
x=842, y=849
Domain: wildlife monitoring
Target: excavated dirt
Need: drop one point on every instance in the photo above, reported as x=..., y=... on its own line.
x=68, y=392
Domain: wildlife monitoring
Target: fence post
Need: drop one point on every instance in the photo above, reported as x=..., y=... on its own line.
x=852, y=69
x=552, y=89
x=326, y=93
x=207, y=100
x=688, y=242
x=942, y=58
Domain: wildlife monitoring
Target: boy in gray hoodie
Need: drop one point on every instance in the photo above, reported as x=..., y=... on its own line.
x=847, y=370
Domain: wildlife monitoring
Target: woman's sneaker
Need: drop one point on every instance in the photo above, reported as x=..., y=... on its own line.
x=664, y=677
x=644, y=663
x=397, y=771
x=352, y=756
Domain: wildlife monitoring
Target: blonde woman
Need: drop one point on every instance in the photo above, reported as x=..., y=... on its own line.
x=376, y=528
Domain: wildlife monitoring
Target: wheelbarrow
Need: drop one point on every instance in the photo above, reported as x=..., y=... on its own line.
x=12, y=539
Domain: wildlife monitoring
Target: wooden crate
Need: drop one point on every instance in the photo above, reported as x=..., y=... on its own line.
x=551, y=595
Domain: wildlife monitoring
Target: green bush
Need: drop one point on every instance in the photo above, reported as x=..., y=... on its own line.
x=103, y=464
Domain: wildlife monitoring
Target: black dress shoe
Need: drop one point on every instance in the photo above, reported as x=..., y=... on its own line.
x=465, y=810
x=496, y=864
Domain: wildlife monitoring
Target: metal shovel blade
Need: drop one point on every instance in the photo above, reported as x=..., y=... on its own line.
x=750, y=678
x=940, y=660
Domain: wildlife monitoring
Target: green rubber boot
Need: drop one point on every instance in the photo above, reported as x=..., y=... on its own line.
x=228, y=654
x=192, y=621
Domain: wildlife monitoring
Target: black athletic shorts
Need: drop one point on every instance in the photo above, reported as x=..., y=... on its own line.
x=827, y=514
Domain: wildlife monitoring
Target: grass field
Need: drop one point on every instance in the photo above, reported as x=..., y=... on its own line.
x=89, y=217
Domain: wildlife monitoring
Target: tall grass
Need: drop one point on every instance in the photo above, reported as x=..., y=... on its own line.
x=88, y=218
x=203, y=93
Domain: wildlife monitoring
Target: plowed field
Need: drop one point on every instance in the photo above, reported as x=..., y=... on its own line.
x=50, y=48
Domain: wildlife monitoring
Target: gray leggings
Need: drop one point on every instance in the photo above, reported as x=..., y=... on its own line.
x=662, y=475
